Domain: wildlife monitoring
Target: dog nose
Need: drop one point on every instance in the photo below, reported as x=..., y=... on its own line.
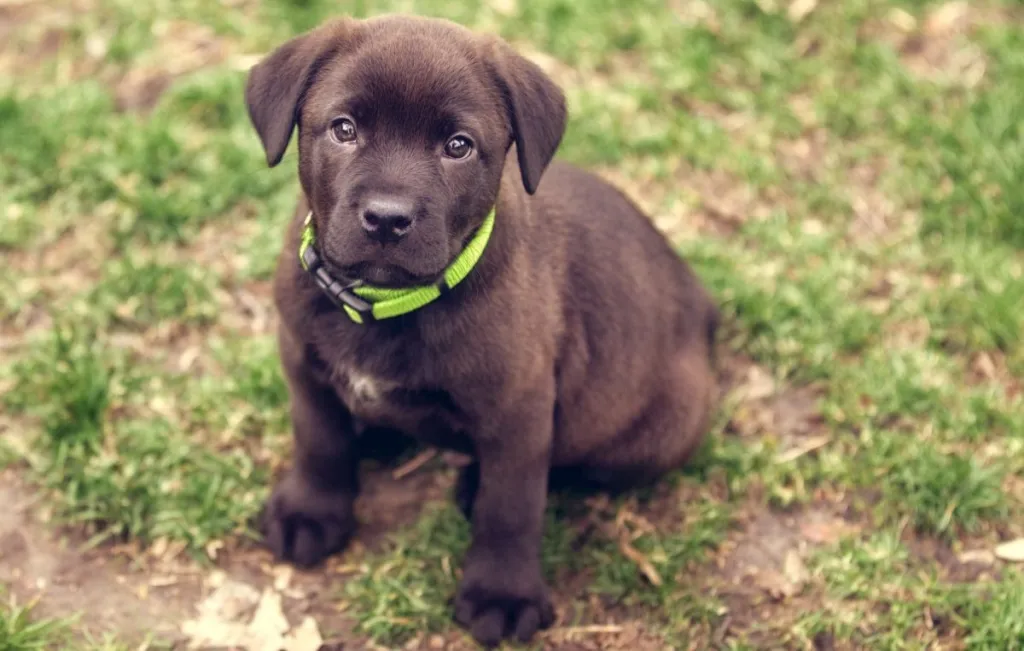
x=387, y=219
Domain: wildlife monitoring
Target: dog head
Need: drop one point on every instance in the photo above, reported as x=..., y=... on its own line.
x=404, y=127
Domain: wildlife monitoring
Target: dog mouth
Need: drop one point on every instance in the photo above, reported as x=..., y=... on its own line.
x=380, y=274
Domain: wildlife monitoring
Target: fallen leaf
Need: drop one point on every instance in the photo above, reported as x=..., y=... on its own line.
x=505, y=7
x=775, y=584
x=813, y=227
x=266, y=630
x=983, y=364
x=188, y=358
x=305, y=637
x=1012, y=551
x=800, y=9
x=946, y=18
x=159, y=547
x=795, y=570
x=824, y=533
x=804, y=447
x=213, y=548
x=759, y=384
x=219, y=622
x=163, y=581
x=981, y=556
x=282, y=577
x=902, y=20
x=596, y=629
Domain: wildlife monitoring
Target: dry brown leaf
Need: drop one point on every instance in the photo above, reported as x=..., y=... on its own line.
x=794, y=569
x=981, y=556
x=759, y=384
x=163, y=581
x=219, y=621
x=596, y=629
x=775, y=584
x=1012, y=551
x=800, y=9
x=505, y=7
x=983, y=364
x=902, y=20
x=213, y=548
x=804, y=447
x=305, y=637
x=266, y=630
x=282, y=577
x=946, y=18
x=223, y=621
x=824, y=533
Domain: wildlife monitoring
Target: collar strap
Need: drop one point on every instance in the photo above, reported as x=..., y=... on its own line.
x=364, y=303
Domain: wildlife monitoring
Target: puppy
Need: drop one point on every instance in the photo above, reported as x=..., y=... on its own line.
x=443, y=278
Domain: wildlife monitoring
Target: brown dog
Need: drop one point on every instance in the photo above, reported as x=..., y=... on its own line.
x=557, y=330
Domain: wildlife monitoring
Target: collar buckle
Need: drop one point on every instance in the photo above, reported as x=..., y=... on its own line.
x=340, y=294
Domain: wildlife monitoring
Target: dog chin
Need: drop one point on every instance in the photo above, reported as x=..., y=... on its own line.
x=381, y=274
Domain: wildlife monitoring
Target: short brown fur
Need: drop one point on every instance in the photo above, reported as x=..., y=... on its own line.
x=580, y=342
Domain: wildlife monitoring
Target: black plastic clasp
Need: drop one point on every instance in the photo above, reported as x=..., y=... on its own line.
x=340, y=294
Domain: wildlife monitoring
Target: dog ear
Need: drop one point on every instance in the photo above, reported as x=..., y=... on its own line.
x=277, y=84
x=538, y=113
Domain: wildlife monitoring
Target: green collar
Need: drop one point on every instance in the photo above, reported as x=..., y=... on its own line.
x=365, y=303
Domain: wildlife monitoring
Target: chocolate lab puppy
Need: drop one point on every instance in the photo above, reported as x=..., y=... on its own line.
x=442, y=277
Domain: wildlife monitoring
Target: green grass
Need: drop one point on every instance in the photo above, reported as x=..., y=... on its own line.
x=404, y=590
x=874, y=256
x=21, y=630
x=879, y=596
x=115, y=459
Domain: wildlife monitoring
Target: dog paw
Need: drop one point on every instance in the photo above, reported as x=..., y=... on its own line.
x=304, y=525
x=493, y=609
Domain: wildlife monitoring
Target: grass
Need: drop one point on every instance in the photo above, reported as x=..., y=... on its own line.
x=881, y=597
x=847, y=185
x=405, y=590
x=126, y=477
x=20, y=630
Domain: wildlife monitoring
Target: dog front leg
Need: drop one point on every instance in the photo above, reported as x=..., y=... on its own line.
x=502, y=593
x=310, y=514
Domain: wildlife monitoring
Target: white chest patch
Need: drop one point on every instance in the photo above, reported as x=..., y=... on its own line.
x=364, y=391
x=365, y=388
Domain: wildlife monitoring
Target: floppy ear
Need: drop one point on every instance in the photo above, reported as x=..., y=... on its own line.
x=277, y=84
x=538, y=112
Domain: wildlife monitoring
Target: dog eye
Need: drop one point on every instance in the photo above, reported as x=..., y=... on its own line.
x=458, y=147
x=344, y=130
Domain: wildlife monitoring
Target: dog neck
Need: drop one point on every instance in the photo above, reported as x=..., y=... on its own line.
x=365, y=303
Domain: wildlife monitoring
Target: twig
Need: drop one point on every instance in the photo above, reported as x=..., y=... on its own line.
x=596, y=629
x=414, y=464
x=646, y=568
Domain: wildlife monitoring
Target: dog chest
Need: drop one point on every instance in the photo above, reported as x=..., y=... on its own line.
x=364, y=394
x=421, y=412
